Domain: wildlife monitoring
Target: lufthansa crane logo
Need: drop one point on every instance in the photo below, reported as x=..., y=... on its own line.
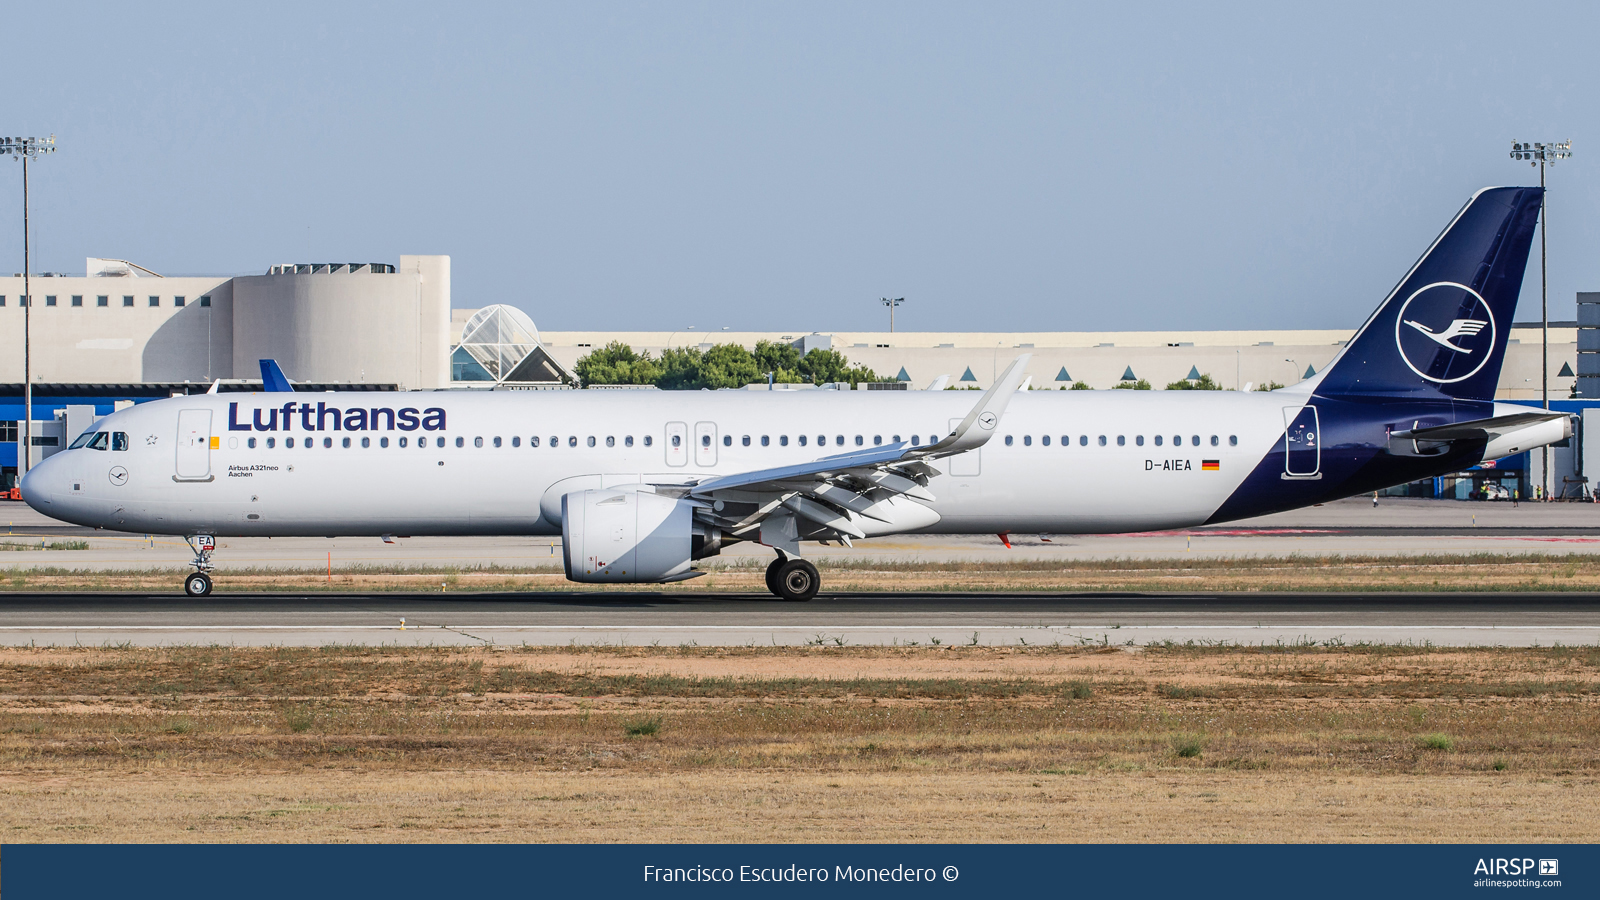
x=1445, y=332
x=987, y=421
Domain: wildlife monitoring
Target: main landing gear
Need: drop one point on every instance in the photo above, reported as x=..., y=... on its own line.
x=793, y=579
x=199, y=584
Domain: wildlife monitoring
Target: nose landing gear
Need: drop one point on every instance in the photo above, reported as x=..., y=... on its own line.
x=199, y=584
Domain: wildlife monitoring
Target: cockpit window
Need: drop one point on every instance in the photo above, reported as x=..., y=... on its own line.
x=119, y=440
x=82, y=440
x=101, y=439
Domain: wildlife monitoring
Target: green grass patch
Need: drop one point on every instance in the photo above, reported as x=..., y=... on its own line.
x=1437, y=741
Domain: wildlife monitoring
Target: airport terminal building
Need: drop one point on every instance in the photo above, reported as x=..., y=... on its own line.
x=121, y=334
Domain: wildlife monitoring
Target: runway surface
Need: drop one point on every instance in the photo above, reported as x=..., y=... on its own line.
x=642, y=619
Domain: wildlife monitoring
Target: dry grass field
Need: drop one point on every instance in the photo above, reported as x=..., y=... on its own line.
x=1432, y=572
x=814, y=744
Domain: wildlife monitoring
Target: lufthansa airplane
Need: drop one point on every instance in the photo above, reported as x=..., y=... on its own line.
x=639, y=485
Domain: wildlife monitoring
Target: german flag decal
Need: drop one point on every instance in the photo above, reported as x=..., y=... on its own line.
x=1210, y=465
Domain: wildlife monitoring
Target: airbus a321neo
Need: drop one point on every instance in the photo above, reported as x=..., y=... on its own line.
x=640, y=485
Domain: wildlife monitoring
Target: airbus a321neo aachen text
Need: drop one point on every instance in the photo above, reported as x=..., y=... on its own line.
x=640, y=484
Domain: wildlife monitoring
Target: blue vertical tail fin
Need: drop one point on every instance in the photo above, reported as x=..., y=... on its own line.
x=272, y=378
x=1443, y=329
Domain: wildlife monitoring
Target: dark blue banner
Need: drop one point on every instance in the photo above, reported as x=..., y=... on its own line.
x=33, y=872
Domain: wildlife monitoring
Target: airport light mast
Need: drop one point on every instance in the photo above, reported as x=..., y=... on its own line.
x=26, y=149
x=1542, y=155
x=891, y=304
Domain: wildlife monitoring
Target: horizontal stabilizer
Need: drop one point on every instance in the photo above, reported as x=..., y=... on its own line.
x=1477, y=428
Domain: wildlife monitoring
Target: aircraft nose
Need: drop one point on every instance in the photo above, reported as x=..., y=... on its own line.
x=41, y=484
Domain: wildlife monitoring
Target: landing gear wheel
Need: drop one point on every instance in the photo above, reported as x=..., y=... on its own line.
x=772, y=573
x=797, y=580
x=197, y=585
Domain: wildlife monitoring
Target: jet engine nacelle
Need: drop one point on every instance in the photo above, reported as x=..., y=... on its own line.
x=626, y=536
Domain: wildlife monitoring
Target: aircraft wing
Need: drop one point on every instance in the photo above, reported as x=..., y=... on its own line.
x=850, y=495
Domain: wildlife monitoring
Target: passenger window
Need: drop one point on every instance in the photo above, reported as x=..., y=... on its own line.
x=783, y=440
x=1195, y=440
x=1027, y=440
x=859, y=440
x=250, y=442
x=383, y=442
x=344, y=442
x=676, y=440
x=1121, y=441
x=1215, y=441
x=272, y=441
x=1102, y=440
x=462, y=442
x=1233, y=440
x=705, y=440
x=572, y=440
x=591, y=440
x=532, y=442
x=648, y=440
x=802, y=440
x=1083, y=440
x=1158, y=440
x=916, y=440
x=516, y=441
x=822, y=440
x=1008, y=440
x=745, y=440
x=627, y=441
x=497, y=440
x=1044, y=440
x=327, y=443
x=439, y=441
x=727, y=440
x=897, y=439
x=766, y=441
x=877, y=440
x=288, y=443
x=1138, y=440
x=365, y=442
x=119, y=440
x=1177, y=440
x=611, y=441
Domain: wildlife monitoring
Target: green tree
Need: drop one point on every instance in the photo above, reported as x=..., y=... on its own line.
x=824, y=366
x=1269, y=386
x=680, y=369
x=1081, y=386
x=782, y=360
x=728, y=366
x=1205, y=383
x=617, y=363
x=1140, y=385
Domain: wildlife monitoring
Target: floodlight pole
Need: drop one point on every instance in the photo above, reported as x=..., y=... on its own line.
x=26, y=149
x=891, y=304
x=1541, y=155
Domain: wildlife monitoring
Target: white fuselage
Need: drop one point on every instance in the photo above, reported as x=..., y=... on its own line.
x=1076, y=461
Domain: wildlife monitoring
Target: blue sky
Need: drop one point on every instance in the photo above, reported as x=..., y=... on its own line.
x=770, y=166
